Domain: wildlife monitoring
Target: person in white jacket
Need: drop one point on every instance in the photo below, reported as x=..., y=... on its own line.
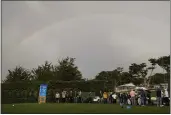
x=166, y=97
x=63, y=96
x=114, y=96
x=57, y=96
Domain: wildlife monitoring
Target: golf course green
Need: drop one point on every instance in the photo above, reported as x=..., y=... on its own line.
x=34, y=108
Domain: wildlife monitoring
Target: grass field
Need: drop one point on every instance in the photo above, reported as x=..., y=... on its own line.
x=78, y=108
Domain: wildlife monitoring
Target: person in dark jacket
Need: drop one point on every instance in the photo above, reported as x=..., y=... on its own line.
x=125, y=98
x=80, y=97
x=122, y=100
x=145, y=99
x=71, y=97
x=142, y=94
x=159, y=97
x=119, y=96
x=149, y=97
x=111, y=98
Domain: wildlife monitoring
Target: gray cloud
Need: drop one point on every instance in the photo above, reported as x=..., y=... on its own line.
x=100, y=35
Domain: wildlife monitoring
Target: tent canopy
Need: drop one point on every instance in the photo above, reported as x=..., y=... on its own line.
x=127, y=85
x=141, y=88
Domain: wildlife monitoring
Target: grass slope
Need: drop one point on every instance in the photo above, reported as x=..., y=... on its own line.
x=78, y=108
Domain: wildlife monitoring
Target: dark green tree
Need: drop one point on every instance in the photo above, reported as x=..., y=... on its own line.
x=43, y=72
x=110, y=75
x=157, y=78
x=111, y=78
x=18, y=74
x=126, y=78
x=138, y=72
x=67, y=70
x=104, y=75
x=164, y=62
x=153, y=66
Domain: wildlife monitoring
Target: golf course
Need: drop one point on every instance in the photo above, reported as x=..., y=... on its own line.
x=53, y=108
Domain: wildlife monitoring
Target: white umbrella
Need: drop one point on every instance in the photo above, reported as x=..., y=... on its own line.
x=141, y=88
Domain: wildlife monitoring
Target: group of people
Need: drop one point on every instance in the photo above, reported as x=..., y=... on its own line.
x=109, y=97
x=162, y=97
x=139, y=97
x=69, y=97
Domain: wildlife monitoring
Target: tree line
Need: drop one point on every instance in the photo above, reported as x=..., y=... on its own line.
x=66, y=70
x=22, y=85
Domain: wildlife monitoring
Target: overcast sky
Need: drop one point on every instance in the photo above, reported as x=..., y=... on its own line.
x=100, y=35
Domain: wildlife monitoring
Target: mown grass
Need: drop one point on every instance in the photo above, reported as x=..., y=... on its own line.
x=29, y=108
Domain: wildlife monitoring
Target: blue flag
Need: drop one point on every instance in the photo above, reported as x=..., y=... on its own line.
x=43, y=90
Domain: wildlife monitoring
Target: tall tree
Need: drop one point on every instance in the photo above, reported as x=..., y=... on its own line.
x=103, y=75
x=134, y=70
x=157, y=78
x=18, y=74
x=153, y=66
x=126, y=78
x=164, y=62
x=112, y=78
x=138, y=71
x=43, y=72
x=67, y=70
x=110, y=75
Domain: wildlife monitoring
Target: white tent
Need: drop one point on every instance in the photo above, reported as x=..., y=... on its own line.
x=127, y=85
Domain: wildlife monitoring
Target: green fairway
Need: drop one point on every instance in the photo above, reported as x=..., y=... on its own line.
x=78, y=108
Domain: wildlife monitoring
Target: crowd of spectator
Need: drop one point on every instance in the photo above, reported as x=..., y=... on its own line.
x=139, y=97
